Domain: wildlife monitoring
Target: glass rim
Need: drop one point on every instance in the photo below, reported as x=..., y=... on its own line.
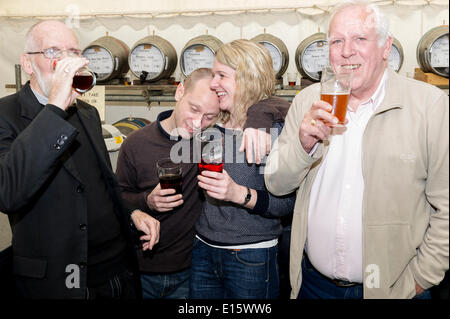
x=167, y=163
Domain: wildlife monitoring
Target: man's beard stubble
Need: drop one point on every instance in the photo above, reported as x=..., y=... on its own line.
x=43, y=83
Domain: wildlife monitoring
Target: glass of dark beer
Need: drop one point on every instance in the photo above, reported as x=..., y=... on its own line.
x=83, y=80
x=335, y=90
x=170, y=174
x=211, y=143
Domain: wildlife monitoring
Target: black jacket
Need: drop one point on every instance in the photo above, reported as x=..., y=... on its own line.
x=41, y=192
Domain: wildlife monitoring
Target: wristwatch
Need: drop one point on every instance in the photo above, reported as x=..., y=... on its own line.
x=247, y=197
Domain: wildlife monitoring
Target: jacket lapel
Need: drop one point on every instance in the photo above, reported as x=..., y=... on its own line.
x=92, y=126
x=392, y=100
x=29, y=105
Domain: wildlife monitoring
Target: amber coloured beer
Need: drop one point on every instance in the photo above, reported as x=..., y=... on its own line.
x=335, y=87
x=339, y=103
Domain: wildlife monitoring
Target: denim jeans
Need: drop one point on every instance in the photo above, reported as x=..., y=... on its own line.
x=218, y=273
x=165, y=285
x=316, y=286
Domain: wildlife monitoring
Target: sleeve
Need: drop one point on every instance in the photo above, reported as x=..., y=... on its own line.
x=288, y=164
x=432, y=260
x=269, y=205
x=127, y=177
x=263, y=115
x=29, y=157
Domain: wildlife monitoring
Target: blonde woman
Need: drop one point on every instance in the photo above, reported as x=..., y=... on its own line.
x=235, y=251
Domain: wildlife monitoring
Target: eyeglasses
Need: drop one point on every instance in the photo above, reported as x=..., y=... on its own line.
x=55, y=53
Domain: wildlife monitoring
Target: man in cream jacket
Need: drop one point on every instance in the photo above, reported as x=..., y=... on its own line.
x=371, y=216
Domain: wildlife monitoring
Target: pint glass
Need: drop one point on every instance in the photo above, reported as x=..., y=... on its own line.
x=335, y=90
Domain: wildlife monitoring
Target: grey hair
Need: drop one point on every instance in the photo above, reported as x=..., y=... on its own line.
x=30, y=40
x=379, y=19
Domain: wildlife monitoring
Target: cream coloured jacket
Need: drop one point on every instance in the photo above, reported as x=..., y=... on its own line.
x=406, y=187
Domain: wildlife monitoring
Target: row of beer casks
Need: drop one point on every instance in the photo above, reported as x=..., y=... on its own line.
x=153, y=58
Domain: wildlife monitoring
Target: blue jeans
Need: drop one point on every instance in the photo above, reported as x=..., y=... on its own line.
x=316, y=286
x=218, y=273
x=165, y=286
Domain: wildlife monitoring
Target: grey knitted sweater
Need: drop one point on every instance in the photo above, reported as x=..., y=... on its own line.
x=224, y=223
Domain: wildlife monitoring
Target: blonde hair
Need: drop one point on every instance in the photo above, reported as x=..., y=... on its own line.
x=255, y=77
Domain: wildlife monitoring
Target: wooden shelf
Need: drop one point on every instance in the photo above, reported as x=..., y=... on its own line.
x=431, y=78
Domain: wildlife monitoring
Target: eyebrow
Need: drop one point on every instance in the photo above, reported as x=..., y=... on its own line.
x=199, y=107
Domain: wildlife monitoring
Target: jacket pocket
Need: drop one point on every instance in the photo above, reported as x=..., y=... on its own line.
x=400, y=252
x=29, y=267
x=389, y=247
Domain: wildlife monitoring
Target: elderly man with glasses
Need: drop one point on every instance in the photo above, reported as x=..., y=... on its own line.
x=71, y=235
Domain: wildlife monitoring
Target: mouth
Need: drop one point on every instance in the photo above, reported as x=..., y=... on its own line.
x=221, y=94
x=350, y=66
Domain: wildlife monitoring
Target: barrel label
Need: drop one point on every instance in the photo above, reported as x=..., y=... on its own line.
x=439, y=52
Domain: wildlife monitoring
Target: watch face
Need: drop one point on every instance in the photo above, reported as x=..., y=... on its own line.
x=248, y=196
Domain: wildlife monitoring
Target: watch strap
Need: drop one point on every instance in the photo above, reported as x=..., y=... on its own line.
x=247, y=197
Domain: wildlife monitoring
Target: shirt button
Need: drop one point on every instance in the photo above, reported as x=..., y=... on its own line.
x=83, y=265
x=80, y=188
x=83, y=227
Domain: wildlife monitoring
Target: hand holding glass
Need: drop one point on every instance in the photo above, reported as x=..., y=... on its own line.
x=335, y=90
x=170, y=175
x=83, y=80
x=211, y=143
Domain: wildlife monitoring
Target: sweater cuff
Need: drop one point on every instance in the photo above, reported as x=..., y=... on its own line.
x=262, y=203
x=60, y=112
x=144, y=199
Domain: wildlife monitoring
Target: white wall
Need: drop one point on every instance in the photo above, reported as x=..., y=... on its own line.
x=408, y=24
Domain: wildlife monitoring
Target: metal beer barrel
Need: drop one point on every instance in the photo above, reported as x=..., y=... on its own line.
x=199, y=53
x=312, y=55
x=432, y=51
x=108, y=58
x=277, y=50
x=154, y=55
x=396, y=56
x=130, y=124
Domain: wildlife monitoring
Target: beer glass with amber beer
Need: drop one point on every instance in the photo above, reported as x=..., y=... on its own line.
x=335, y=90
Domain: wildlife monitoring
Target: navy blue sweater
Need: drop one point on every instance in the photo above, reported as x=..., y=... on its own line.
x=224, y=223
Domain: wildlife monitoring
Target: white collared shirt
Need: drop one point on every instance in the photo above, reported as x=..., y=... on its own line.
x=334, y=239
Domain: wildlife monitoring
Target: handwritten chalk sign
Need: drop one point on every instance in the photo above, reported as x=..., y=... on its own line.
x=96, y=97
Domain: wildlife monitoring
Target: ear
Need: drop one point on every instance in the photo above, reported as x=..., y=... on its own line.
x=26, y=63
x=387, y=48
x=179, y=92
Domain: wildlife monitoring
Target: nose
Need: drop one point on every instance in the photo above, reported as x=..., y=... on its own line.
x=214, y=82
x=348, y=49
x=197, y=123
